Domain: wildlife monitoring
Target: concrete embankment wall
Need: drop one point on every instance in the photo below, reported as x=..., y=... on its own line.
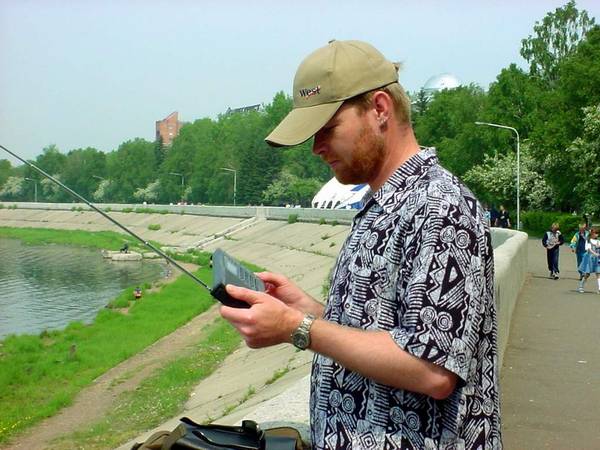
x=304, y=251
x=510, y=265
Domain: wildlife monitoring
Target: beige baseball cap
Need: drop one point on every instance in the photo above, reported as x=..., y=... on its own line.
x=328, y=76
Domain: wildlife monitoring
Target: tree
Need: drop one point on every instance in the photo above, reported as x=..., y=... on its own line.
x=512, y=99
x=290, y=189
x=449, y=125
x=149, y=193
x=494, y=181
x=130, y=167
x=80, y=167
x=5, y=171
x=420, y=104
x=12, y=188
x=51, y=191
x=102, y=191
x=584, y=157
x=51, y=160
x=559, y=117
x=555, y=38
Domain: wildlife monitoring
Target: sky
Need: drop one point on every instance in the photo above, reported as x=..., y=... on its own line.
x=97, y=73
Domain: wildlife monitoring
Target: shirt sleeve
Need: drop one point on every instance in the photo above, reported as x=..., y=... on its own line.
x=447, y=291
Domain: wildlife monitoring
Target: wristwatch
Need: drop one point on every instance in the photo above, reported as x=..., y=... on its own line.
x=301, y=336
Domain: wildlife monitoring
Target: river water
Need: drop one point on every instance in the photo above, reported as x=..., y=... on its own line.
x=46, y=287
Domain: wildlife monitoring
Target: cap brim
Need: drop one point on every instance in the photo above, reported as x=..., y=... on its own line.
x=301, y=124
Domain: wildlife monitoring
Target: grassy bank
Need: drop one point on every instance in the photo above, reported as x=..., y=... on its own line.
x=108, y=240
x=160, y=396
x=41, y=374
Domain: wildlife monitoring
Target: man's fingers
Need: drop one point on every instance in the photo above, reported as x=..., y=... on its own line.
x=275, y=279
x=243, y=294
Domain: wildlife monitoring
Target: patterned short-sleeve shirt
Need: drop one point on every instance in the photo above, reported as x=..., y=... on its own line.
x=417, y=263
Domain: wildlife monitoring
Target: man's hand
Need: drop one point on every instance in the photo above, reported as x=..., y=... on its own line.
x=268, y=321
x=289, y=293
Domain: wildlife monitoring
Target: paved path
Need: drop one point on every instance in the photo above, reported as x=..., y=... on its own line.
x=551, y=375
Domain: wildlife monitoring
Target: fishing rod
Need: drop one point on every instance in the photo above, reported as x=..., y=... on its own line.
x=123, y=227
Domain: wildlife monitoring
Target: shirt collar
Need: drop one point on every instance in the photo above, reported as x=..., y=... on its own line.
x=411, y=170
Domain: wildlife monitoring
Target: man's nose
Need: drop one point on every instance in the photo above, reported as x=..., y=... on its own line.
x=318, y=144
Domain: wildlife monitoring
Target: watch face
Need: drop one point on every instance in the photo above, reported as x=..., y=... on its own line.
x=301, y=340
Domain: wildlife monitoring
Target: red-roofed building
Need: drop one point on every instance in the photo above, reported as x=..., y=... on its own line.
x=168, y=128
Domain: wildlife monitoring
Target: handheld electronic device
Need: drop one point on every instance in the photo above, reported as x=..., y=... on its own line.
x=226, y=269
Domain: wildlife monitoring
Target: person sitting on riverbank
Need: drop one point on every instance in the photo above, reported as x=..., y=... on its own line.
x=125, y=248
x=137, y=293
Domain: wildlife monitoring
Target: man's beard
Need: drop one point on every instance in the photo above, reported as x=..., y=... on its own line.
x=366, y=161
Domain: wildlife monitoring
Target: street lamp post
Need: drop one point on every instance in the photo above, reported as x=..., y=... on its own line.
x=518, y=165
x=34, y=188
x=182, y=183
x=234, y=181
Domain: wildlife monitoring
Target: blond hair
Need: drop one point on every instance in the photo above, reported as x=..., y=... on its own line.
x=399, y=98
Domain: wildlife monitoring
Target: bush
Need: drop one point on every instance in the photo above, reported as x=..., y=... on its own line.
x=154, y=227
x=293, y=218
x=537, y=223
x=322, y=221
x=1, y=205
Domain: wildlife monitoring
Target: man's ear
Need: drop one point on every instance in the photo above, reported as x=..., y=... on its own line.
x=382, y=106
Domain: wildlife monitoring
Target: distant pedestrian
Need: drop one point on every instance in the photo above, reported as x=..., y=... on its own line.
x=578, y=242
x=552, y=241
x=494, y=214
x=591, y=261
x=487, y=214
x=503, y=218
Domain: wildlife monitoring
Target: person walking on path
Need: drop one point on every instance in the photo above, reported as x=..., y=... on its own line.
x=578, y=242
x=591, y=261
x=552, y=241
x=405, y=347
x=503, y=218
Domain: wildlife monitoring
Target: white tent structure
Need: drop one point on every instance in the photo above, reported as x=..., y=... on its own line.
x=334, y=195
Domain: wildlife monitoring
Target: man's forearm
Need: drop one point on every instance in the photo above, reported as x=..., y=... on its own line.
x=375, y=355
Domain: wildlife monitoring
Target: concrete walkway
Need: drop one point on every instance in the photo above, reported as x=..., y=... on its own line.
x=551, y=375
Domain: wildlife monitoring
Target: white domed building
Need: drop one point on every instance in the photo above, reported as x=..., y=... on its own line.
x=335, y=195
x=440, y=82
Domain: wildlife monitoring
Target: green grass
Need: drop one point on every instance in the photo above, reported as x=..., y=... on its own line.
x=160, y=396
x=41, y=374
x=154, y=227
x=39, y=236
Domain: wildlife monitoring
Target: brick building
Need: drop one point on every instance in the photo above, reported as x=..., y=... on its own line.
x=168, y=128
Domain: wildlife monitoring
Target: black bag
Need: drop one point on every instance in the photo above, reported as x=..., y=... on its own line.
x=191, y=435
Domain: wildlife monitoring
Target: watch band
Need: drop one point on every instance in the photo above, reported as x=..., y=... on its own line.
x=301, y=336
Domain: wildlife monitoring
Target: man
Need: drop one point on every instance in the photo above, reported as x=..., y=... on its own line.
x=405, y=348
x=552, y=241
x=503, y=218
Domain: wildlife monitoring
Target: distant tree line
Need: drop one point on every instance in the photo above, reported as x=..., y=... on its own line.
x=554, y=104
x=192, y=169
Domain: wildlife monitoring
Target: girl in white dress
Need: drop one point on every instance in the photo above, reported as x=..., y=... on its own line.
x=590, y=262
